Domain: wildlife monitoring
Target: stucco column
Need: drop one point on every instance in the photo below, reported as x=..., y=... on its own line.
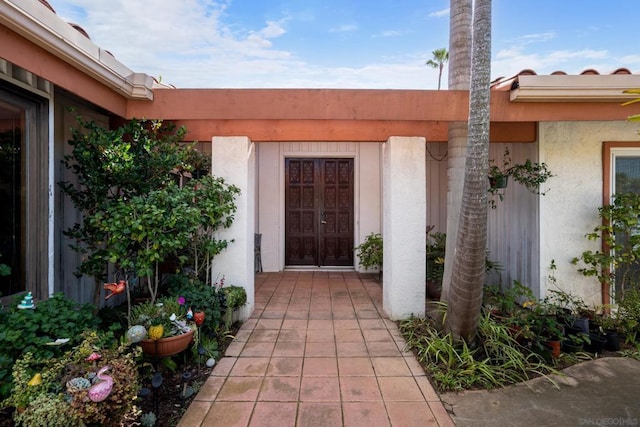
x=404, y=230
x=233, y=158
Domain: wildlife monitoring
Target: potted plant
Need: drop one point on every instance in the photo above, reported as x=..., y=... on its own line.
x=169, y=328
x=436, y=243
x=234, y=297
x=370, y=252
x=529, y=174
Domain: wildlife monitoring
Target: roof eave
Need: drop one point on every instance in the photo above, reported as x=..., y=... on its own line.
x=580, y=88
x=40, y=26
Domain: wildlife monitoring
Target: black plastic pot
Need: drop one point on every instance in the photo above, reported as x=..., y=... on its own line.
x=570, y=347
x=597, y=343
x=613, y=341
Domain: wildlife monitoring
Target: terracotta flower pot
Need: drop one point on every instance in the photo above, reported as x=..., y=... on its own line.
x=555, y=348
x=167, y=346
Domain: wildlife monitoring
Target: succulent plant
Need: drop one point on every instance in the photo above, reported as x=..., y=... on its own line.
x=148, y=420
x=77, y=384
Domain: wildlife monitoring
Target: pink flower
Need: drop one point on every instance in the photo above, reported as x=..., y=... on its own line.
x=181, y=300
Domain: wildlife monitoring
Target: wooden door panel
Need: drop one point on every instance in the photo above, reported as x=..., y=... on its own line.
x=319, y=212
x=300, y=217
x=336, y=232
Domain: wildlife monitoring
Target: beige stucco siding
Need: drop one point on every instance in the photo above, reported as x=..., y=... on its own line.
x=573, y=151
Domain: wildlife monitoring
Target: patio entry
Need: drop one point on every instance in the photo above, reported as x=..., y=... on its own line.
x=319, y=212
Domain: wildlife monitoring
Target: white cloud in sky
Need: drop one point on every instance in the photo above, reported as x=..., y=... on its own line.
x=440, y=13
x=344, y=28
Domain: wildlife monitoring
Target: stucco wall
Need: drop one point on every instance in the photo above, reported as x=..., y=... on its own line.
x=573, y=151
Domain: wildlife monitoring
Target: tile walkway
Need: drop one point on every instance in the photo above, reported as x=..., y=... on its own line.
x=317, y=351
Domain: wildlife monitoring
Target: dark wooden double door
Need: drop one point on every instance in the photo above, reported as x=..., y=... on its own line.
x=319, y=212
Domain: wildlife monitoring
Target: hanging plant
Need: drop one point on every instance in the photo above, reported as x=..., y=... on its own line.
x=529, y=174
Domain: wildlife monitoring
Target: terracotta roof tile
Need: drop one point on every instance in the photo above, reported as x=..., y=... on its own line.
x=510, y=83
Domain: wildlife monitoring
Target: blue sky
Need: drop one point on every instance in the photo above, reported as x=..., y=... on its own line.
x=376, y=44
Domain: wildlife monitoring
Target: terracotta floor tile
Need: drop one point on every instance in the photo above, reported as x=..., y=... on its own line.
x=349, y=335
x=297, y=314
x=368, y=314
x=223, y=367
x=377, y=335
x=410, y=414
x=383, y=348
x=292, y=335
x=440, y=413
x=351, y=349
x=318, y=414
x=280, y=389
x=209, y=390
x=289, y=349
x=194, y=415
x=320, y=349
x=320, y=312
x=344, y=315
x=320, y=389
x=320, y=335
x=285, y=366
x=346, y=324
x=240, y=389
x=369, y=324
x=274, y=414
x=242, y=335
x=228, y=414
x=326, y=324
x=355, y=366
x=365, y=414
x=269, y=324
x=414, y=366
x=273, y=314
x=320, y=366
x=294, y=324
x=234, y=349
x=269, y=335
x=317, y=352
x=427, y=389
x=250, y=367
x=390, y=367
x=400, y=389
x=359, y=389
x=257, y=349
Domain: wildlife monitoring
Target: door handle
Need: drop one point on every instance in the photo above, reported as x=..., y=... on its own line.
x=323, y=222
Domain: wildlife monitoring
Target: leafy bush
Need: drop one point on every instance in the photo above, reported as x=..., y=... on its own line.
x=370, y=251
x=34, y=330
x=199, y=296
x=53, y=399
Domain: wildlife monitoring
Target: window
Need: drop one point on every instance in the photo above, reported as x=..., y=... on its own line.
x=623, y=176
x=23, y=191
x=12, y=132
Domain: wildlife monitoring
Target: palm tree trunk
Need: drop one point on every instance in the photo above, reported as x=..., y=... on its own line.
x=459, y=77
x=465, y=292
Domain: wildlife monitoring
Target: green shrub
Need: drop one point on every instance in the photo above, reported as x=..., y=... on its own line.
x=33, y=331
x=199, y=296
x=496, y=361
x=370, y=251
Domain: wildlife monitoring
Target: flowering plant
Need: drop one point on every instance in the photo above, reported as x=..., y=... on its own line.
x=169, y=312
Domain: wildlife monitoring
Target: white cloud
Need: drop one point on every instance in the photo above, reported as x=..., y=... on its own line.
x=273, y=30
x=344, y=28
x=440, y=13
